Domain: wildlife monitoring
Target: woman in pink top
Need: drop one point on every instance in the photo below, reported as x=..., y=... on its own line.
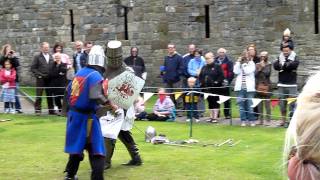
x=58, y=48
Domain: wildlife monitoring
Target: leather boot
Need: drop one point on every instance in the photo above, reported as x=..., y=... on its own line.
x=127, y=140
x=109, y=144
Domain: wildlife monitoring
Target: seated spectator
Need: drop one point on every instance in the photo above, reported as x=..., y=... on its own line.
x=163, y=109
x=191, y=100
x=139, y=108
x=302, y=147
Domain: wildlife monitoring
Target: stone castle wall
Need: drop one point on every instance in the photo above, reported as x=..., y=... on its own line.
x=152, y=24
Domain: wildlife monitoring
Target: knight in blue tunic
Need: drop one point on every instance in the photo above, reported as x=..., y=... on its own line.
x=84, y=96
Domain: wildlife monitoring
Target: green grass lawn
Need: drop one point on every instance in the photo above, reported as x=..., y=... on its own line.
x=32, y=148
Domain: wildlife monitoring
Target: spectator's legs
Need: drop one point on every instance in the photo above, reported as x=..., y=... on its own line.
x=188, y=108
x=49, y=93
x=260, y=110
x=293, y=93
x=250, y=112
x=268, y=109
x=195, y=110
x=241, y=102
x=6, y=107
x=17, y=103
x=39, y=90
x=201, y=106
x=227, y=104
x=283, y=104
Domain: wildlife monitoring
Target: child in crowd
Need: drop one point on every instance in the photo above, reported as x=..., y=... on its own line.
x=191, y=101
x=163, y=109
x=139, y=108
x=8, y=82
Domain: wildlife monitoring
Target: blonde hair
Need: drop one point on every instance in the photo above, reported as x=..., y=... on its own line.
x=4, y=49
x=304, y=129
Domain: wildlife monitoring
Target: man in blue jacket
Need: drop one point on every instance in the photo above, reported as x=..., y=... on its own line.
x=173, y=69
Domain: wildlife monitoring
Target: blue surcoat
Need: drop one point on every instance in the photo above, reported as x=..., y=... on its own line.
x=83, y=126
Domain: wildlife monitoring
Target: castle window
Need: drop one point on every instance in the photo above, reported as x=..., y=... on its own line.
x=316, y=16
x=71, y=25
x=207, y=21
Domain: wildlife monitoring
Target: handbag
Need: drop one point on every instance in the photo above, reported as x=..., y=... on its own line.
x=263, y=89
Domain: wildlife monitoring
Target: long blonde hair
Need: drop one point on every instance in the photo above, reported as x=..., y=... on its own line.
x=4, y=49
x=304, y=129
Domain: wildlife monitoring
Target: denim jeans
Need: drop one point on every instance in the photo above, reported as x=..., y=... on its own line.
x=246, y=111
x=17, y=103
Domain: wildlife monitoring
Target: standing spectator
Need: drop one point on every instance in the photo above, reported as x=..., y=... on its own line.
x=163, y=109
x=78, y=62
x=287, y=65
x=57, y=74
x=186, y=59
x=287, y=39
x=87, y=47
x=7, y=80
x=211, y=78
x=58, y=48
x=40, y=67
x=252, y=53
x=191, y=99
x=263, y=72
x=8, y=53
x=136, y=62
x=194, y=68
x=173, y=69
x=244, y=68
x=227, y=67
x=253, y=56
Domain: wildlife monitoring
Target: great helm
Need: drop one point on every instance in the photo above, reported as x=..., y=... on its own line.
x=96, y=56
x=114, y=54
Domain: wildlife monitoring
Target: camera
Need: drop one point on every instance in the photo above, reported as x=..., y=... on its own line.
x=11, y=52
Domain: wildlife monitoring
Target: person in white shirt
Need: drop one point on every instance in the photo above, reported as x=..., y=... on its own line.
x=245, y=87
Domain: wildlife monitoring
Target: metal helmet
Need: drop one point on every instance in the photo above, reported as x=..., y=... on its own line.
x=114, y=54
x=96, y=56
x=150, y=133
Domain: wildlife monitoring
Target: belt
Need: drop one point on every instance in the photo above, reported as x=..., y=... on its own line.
x=88, y=112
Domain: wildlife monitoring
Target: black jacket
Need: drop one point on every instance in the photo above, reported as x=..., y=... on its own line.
x=211, y=75
x=39, y=67
x=287, y=71
x=137, y=63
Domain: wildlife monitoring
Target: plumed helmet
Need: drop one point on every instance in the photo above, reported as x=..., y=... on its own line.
x=114, y=54
x=96, y=56
x=150, y=133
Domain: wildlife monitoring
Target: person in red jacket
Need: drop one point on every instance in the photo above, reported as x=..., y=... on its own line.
x=8, y=82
